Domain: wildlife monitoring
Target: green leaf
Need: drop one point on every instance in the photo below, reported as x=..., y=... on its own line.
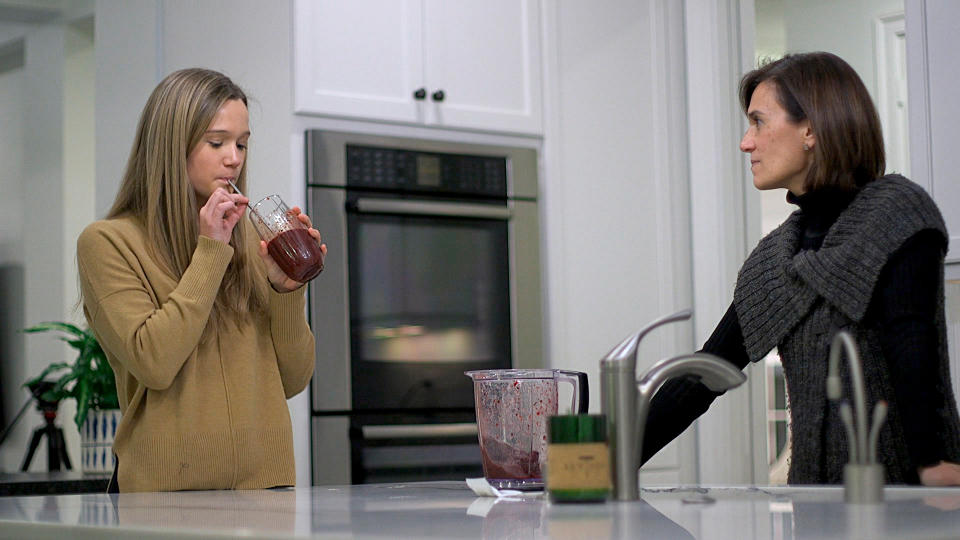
x=56, y=326
x=83, y=404
x=89, y=379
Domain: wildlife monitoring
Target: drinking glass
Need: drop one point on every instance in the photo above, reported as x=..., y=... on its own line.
x=288, y=240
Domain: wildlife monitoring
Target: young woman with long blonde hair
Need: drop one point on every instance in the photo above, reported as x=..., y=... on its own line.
x=206, y=335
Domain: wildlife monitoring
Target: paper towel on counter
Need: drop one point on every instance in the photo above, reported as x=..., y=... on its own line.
x=482, y=488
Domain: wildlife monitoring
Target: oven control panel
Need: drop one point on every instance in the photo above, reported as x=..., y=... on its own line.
x=413, y=171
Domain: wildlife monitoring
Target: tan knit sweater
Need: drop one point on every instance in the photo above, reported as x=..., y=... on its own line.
x=199, y=412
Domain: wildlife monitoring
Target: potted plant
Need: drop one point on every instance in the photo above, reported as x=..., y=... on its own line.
x=89, y=380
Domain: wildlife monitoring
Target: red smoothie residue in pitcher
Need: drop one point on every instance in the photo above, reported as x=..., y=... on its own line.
x=502, y=461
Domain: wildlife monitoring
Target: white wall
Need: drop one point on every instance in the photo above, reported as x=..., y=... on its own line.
x=48, y=170
x=78, y=182
x=845, y=28
x=127, y=56
x=615, y=193
x=11, y=250
x=933, y=67
x=11, y=148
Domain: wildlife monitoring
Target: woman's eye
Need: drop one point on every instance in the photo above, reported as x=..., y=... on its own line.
x=215, y=144
x=242, y=146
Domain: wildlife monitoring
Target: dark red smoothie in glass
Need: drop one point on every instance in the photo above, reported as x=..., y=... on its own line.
x=297, y=254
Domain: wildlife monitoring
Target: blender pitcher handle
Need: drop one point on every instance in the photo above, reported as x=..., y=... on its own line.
x=581, y=389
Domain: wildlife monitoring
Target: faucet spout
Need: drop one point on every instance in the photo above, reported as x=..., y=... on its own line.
x=625, y=353
x=714, y=372
x=626, y=401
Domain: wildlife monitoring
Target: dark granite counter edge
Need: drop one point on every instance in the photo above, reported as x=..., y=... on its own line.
x=56, y=483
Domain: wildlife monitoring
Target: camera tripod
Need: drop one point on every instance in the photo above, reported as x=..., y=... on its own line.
x=56, y=445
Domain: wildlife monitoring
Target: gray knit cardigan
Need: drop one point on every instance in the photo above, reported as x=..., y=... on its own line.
x=797, y=301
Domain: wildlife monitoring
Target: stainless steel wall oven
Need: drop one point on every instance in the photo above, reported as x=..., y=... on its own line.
x=433, y=269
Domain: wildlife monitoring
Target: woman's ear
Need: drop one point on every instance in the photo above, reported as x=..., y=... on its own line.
x=809, y=140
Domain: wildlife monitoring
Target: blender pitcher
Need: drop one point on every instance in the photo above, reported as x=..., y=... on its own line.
x=512, y=410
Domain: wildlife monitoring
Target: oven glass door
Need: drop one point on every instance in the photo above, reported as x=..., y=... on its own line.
x=429, y=299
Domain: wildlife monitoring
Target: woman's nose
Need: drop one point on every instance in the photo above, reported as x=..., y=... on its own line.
x=746, y=143
x=233, y=156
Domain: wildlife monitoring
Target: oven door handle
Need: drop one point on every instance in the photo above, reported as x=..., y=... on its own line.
x=417, y=431
x=426, y=208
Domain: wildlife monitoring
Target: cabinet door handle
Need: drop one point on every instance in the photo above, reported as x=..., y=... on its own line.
x=438, y=95
x=420, y=93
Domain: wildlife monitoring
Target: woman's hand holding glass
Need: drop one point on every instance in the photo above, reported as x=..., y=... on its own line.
x=221, y=213
x=278, y=279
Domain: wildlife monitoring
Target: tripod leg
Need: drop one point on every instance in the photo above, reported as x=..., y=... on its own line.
x=34, y=443
x=63, y=450
x=53, y=448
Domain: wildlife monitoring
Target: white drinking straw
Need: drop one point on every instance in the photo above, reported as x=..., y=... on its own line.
x=235, y=188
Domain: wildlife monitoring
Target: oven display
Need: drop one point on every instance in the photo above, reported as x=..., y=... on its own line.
x=428, y=170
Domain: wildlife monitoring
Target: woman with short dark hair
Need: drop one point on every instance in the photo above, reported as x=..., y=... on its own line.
x=863, y=253
x=825, y=92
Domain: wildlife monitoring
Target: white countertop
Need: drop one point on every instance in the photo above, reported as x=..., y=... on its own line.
x=450, y=510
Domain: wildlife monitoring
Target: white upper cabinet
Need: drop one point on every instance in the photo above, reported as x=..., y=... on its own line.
x=465, y=64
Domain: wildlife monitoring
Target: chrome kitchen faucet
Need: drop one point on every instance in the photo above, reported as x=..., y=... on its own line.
x=625, y=400
x=863, y=477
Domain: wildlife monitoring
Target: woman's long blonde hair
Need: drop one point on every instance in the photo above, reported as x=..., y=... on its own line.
x=157, y=191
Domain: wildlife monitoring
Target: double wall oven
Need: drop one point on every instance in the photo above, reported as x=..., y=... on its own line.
x=433, y=269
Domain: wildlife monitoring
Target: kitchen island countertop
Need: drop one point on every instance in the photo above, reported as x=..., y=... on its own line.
x=451, y=510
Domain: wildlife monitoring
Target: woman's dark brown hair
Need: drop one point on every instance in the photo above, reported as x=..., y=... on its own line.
x=824, y=89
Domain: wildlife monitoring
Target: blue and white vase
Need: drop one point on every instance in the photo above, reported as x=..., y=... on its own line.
x=96, y=441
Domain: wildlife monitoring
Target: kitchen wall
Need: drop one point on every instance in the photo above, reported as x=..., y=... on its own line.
x=11, y=232
x=616, y=200
x=50, y=180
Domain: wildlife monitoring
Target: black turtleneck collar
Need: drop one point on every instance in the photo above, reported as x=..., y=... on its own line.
x=820, y=210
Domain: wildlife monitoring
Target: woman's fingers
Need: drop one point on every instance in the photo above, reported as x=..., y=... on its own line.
x=278, y=280
x=221, y=213
x=305, y=219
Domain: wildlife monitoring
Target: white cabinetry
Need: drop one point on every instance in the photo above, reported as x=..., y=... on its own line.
x=473, y=65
